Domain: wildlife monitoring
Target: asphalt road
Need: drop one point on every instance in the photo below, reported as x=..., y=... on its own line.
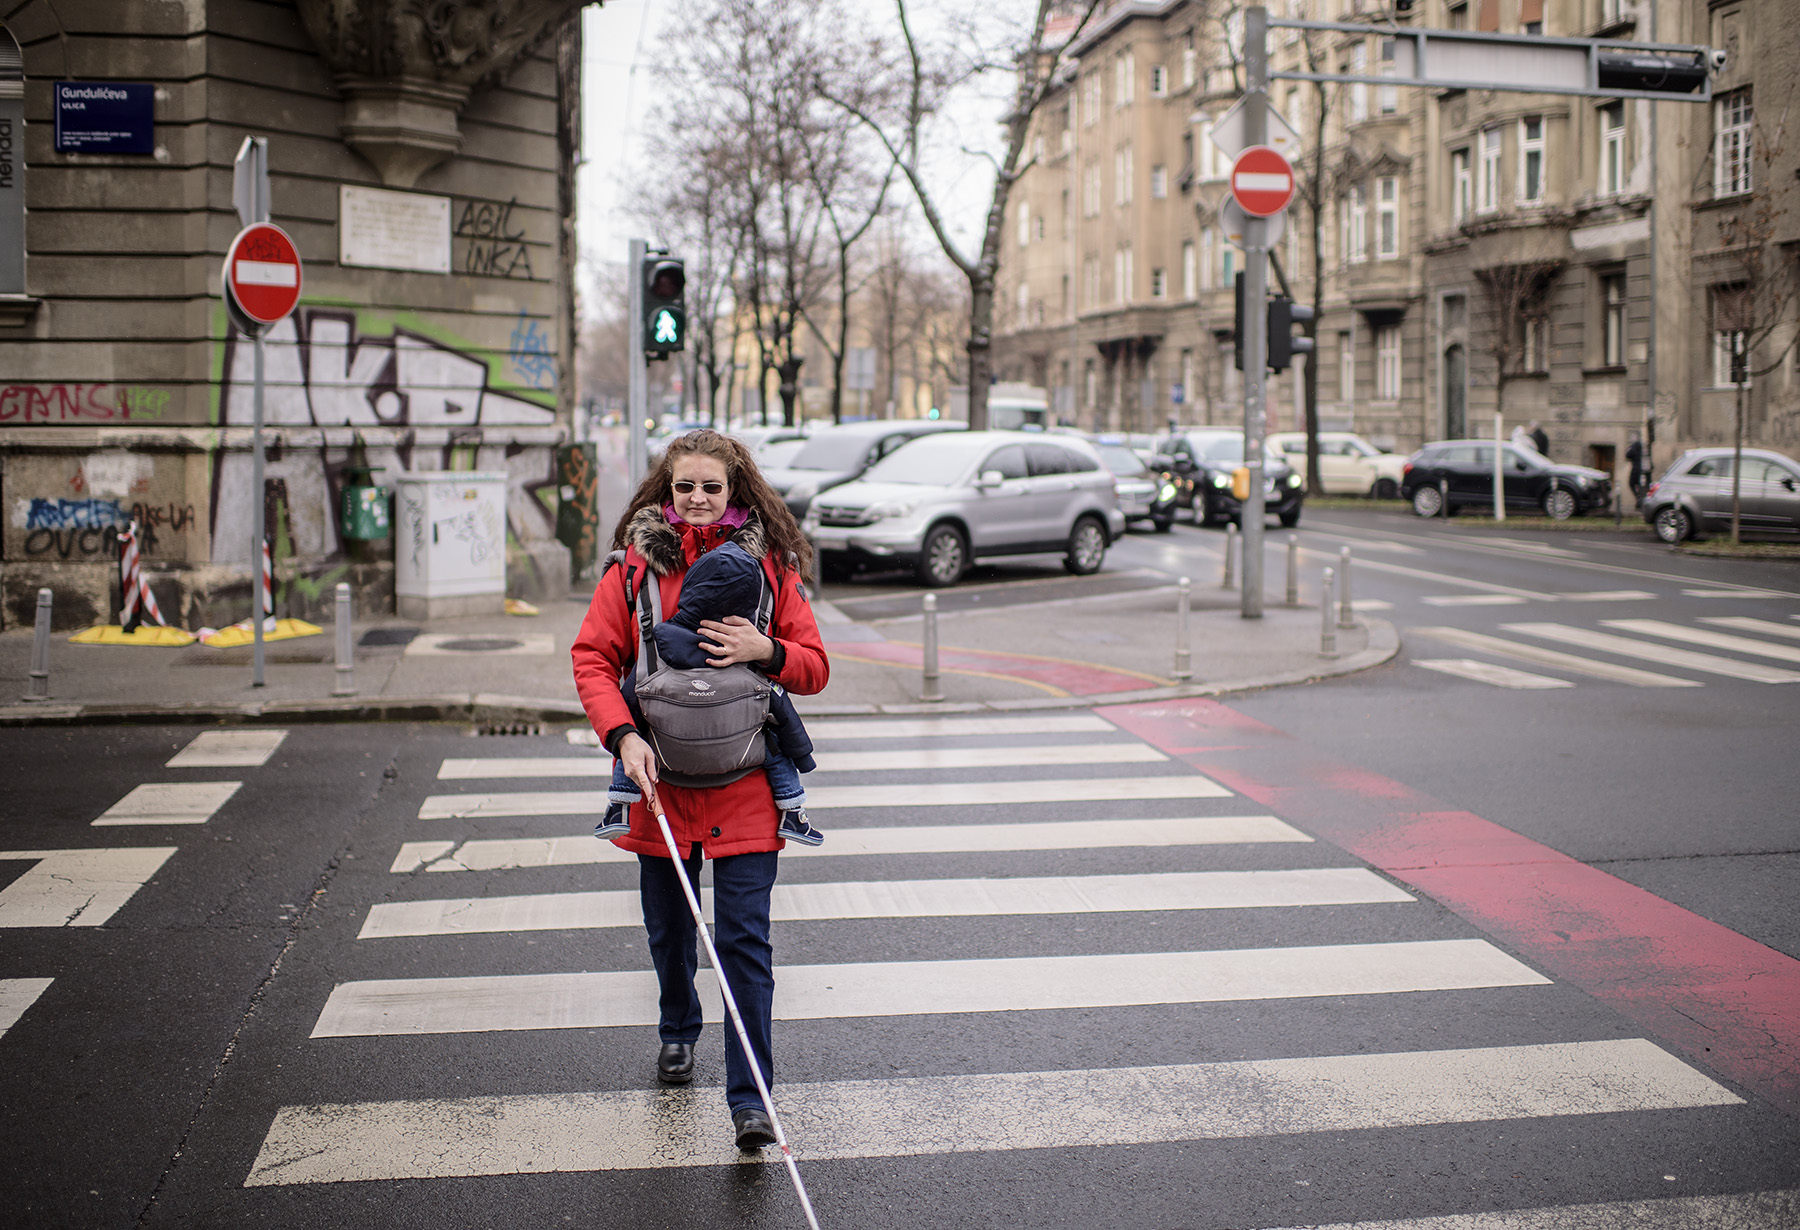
x=279, y=1027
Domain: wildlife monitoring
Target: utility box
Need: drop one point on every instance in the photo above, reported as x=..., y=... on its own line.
x=365, y=506
x=450, y=553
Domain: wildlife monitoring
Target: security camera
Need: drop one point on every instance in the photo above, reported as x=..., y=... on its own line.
x=1717, y=60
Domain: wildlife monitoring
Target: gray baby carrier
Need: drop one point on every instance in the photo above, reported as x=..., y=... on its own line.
x=705, y=725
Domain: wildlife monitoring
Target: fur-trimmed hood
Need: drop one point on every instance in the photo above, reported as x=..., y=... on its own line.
x=660, y=543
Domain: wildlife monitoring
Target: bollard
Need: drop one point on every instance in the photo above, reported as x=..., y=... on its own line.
x=1293, y=594
x=1444, y=498
x=931, y=690
x=1346, y=613
x=346, y=663
x=1327, y=630
x=1183, y=659
x=39, y=688
x=818, y=572
x=1231, y=542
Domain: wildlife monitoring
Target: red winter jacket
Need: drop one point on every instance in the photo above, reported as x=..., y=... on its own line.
x=736, y=819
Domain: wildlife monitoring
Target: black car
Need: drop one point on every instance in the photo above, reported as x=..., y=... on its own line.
x=836, y=455
x=1462, y=472
x=1209, y=458
x=1145, y=493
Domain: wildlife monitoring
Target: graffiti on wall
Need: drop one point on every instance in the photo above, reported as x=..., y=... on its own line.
x=321, y=370
x=531, y=357
x=27, y=404
x=496, y=245
x=67, y=508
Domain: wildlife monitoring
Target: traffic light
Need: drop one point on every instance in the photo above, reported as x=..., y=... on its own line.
x=1660, y=72
x=1284, y=314
x=665, y=309
x=1237, y=326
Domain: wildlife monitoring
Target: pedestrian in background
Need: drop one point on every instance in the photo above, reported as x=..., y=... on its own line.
x=1634, y=453
x=705, y=490
x=1540, y=439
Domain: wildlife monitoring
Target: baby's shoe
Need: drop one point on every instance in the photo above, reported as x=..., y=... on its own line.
x=794, y=827
x=614, y=822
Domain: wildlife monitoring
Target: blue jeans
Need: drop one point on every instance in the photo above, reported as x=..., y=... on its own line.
x=784, y=780
x=741, y=887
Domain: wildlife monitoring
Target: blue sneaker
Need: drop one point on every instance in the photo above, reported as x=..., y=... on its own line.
x=794, y=827
x=614, y=822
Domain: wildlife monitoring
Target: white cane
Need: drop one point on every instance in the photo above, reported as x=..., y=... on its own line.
x=737, y=1020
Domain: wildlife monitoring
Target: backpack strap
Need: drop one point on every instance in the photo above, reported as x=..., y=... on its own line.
x=649, y=608
x=765, y=605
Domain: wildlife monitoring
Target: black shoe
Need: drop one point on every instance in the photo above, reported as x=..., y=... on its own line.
x=794, y=827
x=675, y=1063
x=614, y=822
x=753, y=1128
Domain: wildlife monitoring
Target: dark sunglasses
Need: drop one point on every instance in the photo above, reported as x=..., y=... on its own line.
x=685, y=486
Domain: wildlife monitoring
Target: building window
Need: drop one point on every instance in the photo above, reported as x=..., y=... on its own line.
x=1356, y=225
x=1612, y=320
x=1387, y=217
x=1358, y=66
x=1209, y=243
x=1731, y=143
x=1024, y=304
x=1457, y=16
x=1346, y=366
x=1531, y=161
x=1159, y=181
x=1090, y=379
x=1090, y=281
x=1024, y=223
x=1159, y=81
x=1040, y=226
x=1387, y=97
x=1188, y=270
x=1189, y=59
x=1187, y=378
x=1090, y=189
x=1533, y=331
x=1462, y=198
x=1122, y=276
x=1731, y=329
x=1387, y=363
x=1227, y=265
x=1090, y=99
x=1159, y=284
x=1487, y=185
x=1122, y=175
x=1612, y=149
x=1124, y=70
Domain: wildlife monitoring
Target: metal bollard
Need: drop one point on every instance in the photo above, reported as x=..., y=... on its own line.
x=931, y=690
x=39, y=688
x=346, y=653
x=818, y=571
x=1231, y=547
x=1184, y=669
x=1346, y=613
x=1293, y=592
x=1327, y=630
x=1444, y=498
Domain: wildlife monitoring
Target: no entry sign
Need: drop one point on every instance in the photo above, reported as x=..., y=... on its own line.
x=262, y=273
x=1262, y=182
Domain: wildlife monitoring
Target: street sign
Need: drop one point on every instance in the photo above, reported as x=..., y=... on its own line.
x=262, y=273
x=1262, y=182
x=1234, y=222
x=104, y=117
x=1228, y=133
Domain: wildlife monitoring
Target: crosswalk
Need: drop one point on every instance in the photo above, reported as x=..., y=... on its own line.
x=1053, y=807
x=1743, y=649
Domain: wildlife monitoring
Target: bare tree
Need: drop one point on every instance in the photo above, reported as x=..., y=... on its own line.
x=1513, y=292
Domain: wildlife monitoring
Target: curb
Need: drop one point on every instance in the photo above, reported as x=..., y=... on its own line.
x=1384, y=643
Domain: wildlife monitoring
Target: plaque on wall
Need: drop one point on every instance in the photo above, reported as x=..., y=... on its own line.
x=393, y=230
x=105, y=117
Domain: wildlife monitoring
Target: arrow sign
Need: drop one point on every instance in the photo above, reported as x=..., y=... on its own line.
x=262, y=273
x=1262, y=182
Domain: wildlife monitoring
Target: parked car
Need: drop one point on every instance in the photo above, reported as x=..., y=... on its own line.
x=755, y=437
x=1693, y=497
x=1348, y=464
x=835, y=455
x=1462, y=472
x=944, y=501
x=1208, y=457
x=1145, y=494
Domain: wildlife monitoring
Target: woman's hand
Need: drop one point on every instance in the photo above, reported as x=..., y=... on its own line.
x=638, y=761
x=735, y=640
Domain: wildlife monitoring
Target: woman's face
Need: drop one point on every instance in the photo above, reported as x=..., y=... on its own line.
x=696, y=505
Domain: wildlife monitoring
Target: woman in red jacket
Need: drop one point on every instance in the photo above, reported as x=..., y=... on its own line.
x=706, y=490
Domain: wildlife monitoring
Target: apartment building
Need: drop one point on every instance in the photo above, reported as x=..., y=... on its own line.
x=1606, y=267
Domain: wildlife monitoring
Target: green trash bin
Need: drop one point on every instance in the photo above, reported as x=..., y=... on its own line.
x=365, y=506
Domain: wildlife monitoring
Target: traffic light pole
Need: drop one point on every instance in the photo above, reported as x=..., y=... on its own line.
x=637, y=397
x=1254, y=339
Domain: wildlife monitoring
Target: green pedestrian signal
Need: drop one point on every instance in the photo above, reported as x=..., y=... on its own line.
x=665, y=309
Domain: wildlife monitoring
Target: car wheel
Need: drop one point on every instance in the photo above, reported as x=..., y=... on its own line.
x=1087, y=547
x=945, y=557
x=1386, y=489
x=1427, y=501
x=1673, y=524
x=1291, y=518
x=1163, y=525
x=1559, y=503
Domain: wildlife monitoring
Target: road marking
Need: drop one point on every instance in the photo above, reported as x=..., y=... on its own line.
x=1482, y=643
x=500, y=854
x=16, y=995
x=598, y=765
x=1114, y=894
x=1737, y=1212
x=497, y=645
x=1441, y=578
x=1488, y=672
x=834, y=762
x=819, y=798
x=1686, y=659
x=985, y=1112
x=1610, y=595
x=169, y=803
x=1700, y=636
x=1744, y=623
x=1473, y=600
x=913, y=988
x=233, y=749
x=76, y=888
x=1736, y=593
x=1371, y=604
x=953, y=728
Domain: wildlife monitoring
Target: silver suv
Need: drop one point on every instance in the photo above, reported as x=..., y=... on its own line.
x=941, y=502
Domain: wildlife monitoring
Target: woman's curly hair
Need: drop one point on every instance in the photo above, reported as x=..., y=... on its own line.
x=749, y=490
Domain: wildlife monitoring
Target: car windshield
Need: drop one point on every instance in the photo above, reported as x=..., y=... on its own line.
x=831, y=450
x=778, y=454
x=1120, y=460
x=930, y=461
x=1220, y=448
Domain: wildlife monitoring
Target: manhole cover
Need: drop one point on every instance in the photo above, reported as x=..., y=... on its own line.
x=388, y=636
x=480, y=644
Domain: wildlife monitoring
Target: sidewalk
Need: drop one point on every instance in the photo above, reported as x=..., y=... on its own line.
x=507, y=669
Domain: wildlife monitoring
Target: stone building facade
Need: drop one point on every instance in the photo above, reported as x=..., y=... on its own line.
x=423, y=161
x=1606, y=267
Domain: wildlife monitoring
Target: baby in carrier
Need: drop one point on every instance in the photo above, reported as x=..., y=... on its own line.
x=727, y=580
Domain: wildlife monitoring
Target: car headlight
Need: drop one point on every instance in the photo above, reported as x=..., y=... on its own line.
x=802, y=491
x=1167, y=492
x=1221, y=480
x=1293, y=480
x=893, y=508
x=810, y=522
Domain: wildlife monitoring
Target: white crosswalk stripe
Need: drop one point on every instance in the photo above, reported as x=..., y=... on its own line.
x=1488, y=672
x=1625, y=647
x=1481, y=642
x=16, y=995
x=169, y=803
x=1711, y=640
x=832, y=762
x=1744, y=623
x=221, y=749
x=75, y=888
x=1610, y=642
